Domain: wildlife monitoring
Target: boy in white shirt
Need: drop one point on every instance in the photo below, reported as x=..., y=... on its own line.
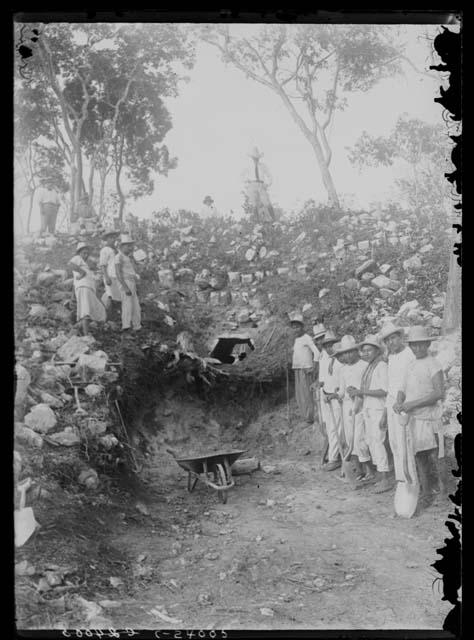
x=305, y=358
x=350, y=379
x=373, y=392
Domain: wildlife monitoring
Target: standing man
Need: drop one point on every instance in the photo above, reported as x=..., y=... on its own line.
x=127, y=277
x=350, y=379
x=49, y=204
x=89, y=307
x=107, y=266
x=420, y=397
x=84, y=217
x=373, y=392
x=305, y=358
x=400, y=359
x=329, y=369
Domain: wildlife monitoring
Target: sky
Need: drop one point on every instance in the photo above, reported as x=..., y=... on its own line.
x=220, y=115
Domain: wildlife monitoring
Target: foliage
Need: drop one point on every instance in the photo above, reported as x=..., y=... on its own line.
x=101, y=87
x=421, y=146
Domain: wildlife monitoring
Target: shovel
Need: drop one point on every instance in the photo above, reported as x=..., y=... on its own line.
x=24, y=518
x=407, y=492
x=322, y=425
x=349, y=469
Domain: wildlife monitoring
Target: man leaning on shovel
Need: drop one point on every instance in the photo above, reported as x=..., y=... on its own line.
x=304, y=362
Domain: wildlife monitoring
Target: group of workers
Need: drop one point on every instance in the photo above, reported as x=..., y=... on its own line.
x=120, y=277
x=386, y=385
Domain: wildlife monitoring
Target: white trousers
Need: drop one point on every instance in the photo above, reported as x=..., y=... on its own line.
x=331, y=425
x=360, y=448
x=375, y=437
x=131, y=312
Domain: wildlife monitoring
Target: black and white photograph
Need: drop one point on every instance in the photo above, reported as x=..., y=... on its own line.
x=237, y=323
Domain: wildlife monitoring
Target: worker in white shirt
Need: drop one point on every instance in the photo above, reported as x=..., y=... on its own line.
x=350, y=378
x=107, y=266
x=329, y=369
x=400, y=359
x=305, y=358
x=49, y=203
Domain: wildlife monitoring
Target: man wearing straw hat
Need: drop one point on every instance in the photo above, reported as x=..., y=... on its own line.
x=400, y=358
x=350, y=378
x=89, y=307
x=305, y=358
x=107, y=266
x=127, y=277
x=420, y=397
x=373, y=392
x=329, y=368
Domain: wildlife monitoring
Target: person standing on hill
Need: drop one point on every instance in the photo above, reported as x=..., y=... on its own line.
x=329, y=369
x=400, y=358
x=373, y=392
x=49, y=203
x=107, y=266
x=89, y=307
x=420, y=397
x=305, y=358
x=127, y=277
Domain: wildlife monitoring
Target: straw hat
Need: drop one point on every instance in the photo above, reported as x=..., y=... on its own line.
x=372, y=340
x=125, y=238
x=318, y=330
x=110, y=232
x=81, y=246
x=389, y=329
x=296, y=317
x=347, y=343
x=329, y=337
x=418, y=334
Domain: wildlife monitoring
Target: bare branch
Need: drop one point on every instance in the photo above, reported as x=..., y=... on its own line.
x=334, y=90
x=226, y=53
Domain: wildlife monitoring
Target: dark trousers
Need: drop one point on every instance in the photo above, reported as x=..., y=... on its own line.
x=48, y=213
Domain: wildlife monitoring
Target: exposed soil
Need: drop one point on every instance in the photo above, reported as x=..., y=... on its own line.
x=292, y=549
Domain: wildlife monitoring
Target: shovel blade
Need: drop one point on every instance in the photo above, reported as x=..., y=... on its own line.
x=406, y=499
x=25, y=525
x=349, y=469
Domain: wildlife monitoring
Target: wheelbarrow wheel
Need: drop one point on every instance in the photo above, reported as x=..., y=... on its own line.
x=221, y=481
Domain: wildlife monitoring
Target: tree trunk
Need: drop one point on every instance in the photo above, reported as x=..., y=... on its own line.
x=79, y=181
x=30, y=210
x=118, y=171
x=120, y=193
x=325, y=173
x=72, y=190
x=318, y=151
x=91, y=178
x=452, y=307
x=103, y=176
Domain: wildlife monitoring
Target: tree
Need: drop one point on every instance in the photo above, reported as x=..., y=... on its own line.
x=313, y=69
x=40, y=159
x=423, y=148
x=98, y=76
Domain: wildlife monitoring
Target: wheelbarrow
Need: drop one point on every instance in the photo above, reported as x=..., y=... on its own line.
x=214, y=469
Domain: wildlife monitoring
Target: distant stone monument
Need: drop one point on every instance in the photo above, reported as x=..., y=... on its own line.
x=259, y=205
